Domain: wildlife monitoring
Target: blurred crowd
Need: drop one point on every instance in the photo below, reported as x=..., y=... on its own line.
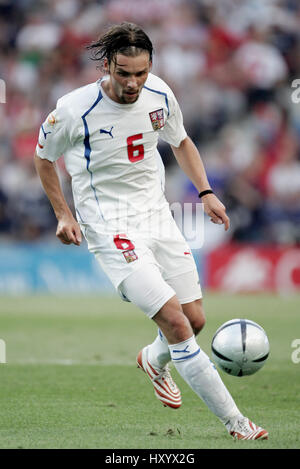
x=231, y=64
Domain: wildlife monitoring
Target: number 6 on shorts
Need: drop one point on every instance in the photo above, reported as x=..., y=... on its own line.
x=122, y=242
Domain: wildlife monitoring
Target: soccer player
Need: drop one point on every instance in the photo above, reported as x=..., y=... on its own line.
x=108, y=132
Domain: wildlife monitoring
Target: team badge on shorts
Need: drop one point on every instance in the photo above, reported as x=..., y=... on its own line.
x=130, y=256
x=157, y=119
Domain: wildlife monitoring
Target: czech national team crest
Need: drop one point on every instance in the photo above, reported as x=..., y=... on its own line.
x=157, y=119
x=130, y=256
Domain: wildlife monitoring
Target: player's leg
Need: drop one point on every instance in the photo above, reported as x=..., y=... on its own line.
x=172, y=322
x=188, y=292
x=192, y=363
x=180, y=272
x=147, y=289
x=194, y=311
x=139, y=281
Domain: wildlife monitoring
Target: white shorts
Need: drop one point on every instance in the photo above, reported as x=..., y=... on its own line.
x=147, y=289
x=148, y=263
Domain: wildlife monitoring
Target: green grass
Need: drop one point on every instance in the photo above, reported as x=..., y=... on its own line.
x=101, y=400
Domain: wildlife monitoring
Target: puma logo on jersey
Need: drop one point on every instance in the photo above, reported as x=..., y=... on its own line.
x=109, y=132
x=45, y=133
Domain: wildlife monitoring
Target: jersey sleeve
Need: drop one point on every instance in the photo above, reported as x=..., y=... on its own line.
x=54, y=135
x=173, y=131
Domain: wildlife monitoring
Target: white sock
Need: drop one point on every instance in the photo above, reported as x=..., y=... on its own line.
x=158, y=351
x=200, y=373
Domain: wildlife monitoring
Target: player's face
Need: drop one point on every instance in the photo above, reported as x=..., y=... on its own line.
x=127, y=77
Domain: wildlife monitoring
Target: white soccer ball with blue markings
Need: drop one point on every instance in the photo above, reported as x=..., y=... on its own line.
x=240, y=347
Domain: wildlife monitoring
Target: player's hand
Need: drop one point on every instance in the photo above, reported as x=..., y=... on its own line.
x=68, y=230
x=216, y=210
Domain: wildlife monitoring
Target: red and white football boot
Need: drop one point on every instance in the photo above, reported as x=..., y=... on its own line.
x=164, y=387
x=244, y=429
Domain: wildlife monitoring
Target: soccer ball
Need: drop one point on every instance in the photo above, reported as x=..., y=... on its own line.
x=240, y=347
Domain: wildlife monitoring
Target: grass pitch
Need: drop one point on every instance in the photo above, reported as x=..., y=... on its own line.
x=70, y=380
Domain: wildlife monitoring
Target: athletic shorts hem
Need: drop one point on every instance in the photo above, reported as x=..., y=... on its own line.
x=159, y=305
x=147, y=289
x=139, y=266
x=178, y=274
x=189, y=300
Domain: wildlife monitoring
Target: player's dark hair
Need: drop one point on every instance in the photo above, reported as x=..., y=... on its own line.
x=125, y=38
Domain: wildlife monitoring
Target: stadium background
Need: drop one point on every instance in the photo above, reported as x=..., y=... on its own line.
x=231, y=65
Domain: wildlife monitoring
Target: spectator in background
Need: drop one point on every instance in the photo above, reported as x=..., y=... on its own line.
x=282, y=205
x=5, y=221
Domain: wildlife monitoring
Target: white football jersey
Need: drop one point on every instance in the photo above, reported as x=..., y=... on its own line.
x=110, y=149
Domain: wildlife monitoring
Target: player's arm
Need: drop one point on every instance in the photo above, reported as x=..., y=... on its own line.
x=68, y=230
x=189, y=159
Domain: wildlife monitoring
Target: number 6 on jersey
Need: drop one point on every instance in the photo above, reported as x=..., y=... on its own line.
x=135, y=152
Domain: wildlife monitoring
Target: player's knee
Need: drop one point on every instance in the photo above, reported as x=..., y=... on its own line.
x=196, y=315
x=198, y=324
x=173, y=323
x=180, y=327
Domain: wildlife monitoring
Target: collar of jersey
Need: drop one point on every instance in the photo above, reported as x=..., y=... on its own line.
x=111, y=101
